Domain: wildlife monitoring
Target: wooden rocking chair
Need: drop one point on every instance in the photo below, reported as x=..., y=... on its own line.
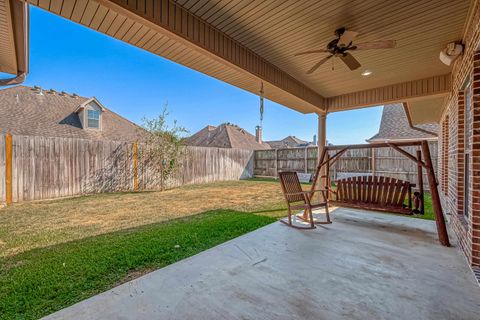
x=298, y=199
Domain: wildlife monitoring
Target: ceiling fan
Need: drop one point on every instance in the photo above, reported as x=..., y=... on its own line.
x=341, y=46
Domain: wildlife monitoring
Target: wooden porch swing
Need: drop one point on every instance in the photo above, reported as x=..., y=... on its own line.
x=373, y=193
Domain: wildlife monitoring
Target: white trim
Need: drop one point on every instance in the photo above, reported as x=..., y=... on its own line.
x=92, y=99
x=84, y=110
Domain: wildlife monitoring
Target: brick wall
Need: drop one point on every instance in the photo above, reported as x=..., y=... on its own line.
x=455, y=145
x=460, y=151
x=475, y=168
x=460, y=140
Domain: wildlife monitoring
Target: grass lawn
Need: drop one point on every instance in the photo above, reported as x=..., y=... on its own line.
x=56, y=253
x=41, y=281
x=29, y=225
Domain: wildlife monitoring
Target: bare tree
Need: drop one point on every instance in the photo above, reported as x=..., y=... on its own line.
x=163, y=145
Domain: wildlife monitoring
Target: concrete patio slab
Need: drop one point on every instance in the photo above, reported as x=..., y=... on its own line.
x=363, y=266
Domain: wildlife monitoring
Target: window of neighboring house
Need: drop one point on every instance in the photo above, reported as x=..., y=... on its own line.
x=93, y=119
x=467, y=132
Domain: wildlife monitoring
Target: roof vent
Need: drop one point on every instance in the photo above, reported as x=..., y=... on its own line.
x=38, y=90
x=63, y=93
x=52, y=91
x=74, y=95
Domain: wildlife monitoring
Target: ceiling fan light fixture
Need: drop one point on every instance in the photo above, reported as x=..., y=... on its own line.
x=366, y=73
x=342, y=48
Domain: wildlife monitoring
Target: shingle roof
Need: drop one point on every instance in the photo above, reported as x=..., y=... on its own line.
x=289, y=142
x=225, y=136
x=394, y=126
x=52, y=114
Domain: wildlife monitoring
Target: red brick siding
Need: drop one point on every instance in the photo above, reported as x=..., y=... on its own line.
x=453, y=151
x=460, y=151
x=474, y=221
x=451, y=161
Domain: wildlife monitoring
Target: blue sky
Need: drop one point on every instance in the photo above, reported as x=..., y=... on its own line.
x=134, y=83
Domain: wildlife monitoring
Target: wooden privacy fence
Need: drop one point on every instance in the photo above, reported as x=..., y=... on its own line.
x=355, y=162
x=269, y=162
x=45, y=168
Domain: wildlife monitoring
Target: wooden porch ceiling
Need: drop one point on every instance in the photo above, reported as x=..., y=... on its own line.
x=245, y=42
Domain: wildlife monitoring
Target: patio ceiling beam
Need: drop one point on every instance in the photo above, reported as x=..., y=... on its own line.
x=176, y=22
x=395, y=93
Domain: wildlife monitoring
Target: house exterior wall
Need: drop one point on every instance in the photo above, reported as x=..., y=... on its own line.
x=454, y=145
x=81, y=116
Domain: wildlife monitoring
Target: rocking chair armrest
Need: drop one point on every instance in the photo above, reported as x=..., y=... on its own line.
x=304, y=192
x=297, y=193
x=321, y=190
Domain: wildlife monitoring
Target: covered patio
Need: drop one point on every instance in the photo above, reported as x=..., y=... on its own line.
x=363, y=266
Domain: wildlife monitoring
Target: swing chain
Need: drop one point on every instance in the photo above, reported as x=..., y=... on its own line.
x=261, y=105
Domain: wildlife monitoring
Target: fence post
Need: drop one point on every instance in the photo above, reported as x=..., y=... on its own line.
x=8, y=169
x=276, y=163
x=135, y=168
x=306, y=160
x=373, y=162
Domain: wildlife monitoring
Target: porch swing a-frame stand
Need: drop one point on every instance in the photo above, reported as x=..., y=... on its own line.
x=327, y=161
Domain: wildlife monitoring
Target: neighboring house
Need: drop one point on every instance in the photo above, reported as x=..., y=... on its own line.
x=289, y=142
x=395, y=126
x=226, y=135
x=37, y=112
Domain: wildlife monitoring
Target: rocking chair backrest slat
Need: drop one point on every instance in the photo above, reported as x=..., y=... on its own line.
x=291, y=184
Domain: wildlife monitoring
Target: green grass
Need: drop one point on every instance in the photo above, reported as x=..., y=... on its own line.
x=38, y=282
x=429, y=215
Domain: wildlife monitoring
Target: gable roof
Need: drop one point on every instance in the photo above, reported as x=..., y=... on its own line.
x=395, y=126
x=225, y=136
x=92, y=99
x=289, y=142
x=52, y=114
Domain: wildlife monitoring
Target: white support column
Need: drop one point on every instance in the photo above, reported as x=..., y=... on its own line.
x=322, y=141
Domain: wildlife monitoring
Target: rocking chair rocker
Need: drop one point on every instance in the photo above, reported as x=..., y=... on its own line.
x=296, y=199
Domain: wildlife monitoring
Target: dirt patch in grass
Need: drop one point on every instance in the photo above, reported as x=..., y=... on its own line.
x=26, y=226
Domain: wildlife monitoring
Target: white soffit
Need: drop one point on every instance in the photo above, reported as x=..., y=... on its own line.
x=426, y=110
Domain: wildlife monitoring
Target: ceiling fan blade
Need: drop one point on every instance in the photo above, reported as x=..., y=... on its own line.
x=310, y=51
x=350, y=61
x=346, y=38
x=382, y=44
x=318, y=64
